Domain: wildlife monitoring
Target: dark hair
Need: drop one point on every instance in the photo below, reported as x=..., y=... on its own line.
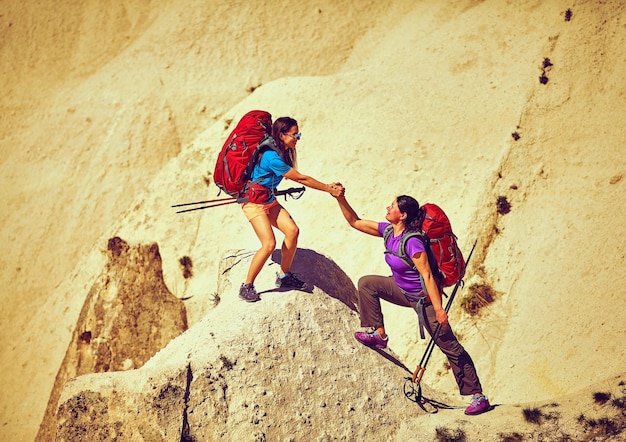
x=282, y=126
x=414, y=213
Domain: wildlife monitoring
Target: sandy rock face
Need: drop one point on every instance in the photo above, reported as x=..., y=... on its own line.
x=97, y=412
x=128, y=316
x=285, y=367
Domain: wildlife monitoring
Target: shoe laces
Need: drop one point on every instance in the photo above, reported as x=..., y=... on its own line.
x=295, y=276
x=478, y=399
x=248, y=289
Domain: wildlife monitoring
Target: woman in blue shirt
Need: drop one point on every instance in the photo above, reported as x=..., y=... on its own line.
x=271, y=169
x=409, y=287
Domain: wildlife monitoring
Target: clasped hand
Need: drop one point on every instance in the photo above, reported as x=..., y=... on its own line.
x=337, y=189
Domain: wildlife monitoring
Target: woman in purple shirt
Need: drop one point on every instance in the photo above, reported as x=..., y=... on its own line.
x=410, y=287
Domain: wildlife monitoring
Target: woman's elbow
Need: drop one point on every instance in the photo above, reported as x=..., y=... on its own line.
x=354, y=223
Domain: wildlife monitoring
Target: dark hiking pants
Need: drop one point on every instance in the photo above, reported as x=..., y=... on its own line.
x=373, y=288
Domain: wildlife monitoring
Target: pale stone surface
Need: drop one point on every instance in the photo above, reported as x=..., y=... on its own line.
x=284, y=367
x=128, y=316
x=111, y=115
x=287, y=368
x=124, y=406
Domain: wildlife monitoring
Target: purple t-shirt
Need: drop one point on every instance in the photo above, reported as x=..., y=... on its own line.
x=407, y=278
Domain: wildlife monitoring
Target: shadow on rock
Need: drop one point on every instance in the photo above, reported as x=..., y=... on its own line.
x=319, y=271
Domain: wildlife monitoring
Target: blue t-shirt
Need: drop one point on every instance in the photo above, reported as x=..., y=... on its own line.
x=407, y=278
x=272, y=167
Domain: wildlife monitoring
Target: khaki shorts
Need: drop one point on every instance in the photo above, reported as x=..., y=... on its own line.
x=252, y=210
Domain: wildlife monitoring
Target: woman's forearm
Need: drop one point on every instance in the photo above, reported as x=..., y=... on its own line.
x=311, y=182
x=348, y=212
x=433, y=291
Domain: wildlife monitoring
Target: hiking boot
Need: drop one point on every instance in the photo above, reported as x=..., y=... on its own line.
x=479, y=405
x=371, y=339
x=248, y=293
x=290, y=281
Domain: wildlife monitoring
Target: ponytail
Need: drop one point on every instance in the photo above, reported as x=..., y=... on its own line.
x=414, y=213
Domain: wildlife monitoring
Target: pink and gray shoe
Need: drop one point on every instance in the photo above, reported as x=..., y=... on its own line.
x=371, y=339
x=479, y=405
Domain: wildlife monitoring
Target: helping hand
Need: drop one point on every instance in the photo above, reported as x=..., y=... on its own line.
x=337, y=189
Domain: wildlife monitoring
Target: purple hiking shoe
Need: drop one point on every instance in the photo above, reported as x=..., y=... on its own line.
x=479, y=405
x=371, y=339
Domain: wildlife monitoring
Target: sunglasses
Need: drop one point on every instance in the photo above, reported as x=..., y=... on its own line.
x=295, y=136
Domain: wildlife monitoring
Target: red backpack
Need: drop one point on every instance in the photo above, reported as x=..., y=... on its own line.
x=445, y=257
x=240, y=152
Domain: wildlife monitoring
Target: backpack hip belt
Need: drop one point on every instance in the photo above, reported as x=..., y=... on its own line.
x=419, y=307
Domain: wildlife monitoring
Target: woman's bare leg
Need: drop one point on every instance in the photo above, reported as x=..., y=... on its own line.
x=263, y=228
x=288, y=227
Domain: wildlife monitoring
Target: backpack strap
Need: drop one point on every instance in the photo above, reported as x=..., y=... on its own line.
x=402, y=250
x=421, y=316
x=402, y=246
x=267, y=143
x=419, y=302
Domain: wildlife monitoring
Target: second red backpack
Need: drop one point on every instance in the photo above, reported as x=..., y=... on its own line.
x=236, y=159
x=443, y=244
x=444, y=256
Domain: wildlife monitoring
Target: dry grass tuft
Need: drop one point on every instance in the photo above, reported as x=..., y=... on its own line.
x=447, y=435
x=478, y=297
x=511, y=437
x=601, y=398
x=186, y=266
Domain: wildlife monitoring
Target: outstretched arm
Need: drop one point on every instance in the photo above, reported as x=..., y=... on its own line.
x=363, y=225
x=309, y=181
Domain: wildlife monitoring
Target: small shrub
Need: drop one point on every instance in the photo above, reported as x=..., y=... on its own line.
x=186, y=265
x=503, y=205
x=601, y=398
x=511, y=437
x=448, y=435
x=568, y=15
x=602, y=427
x=533, y=415
x=619, y=403
x=479, y=296
x=227, y=363
x=215, y=298
x=85, y=337
x=546, y=65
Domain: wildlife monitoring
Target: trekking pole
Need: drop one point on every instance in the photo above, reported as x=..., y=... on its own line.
x=215, y=204
x=205, y=202
x=297, y=191
x=421, y=368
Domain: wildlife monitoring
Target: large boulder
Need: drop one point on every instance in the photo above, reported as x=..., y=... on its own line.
x=129, y=314
x=284, y=368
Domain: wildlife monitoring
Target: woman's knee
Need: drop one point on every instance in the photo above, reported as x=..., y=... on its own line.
x=367, y=282
x=268, y=246
x=292, y=232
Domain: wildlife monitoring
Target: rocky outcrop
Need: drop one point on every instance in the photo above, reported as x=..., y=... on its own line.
x=284, y=368
x=128, y=316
